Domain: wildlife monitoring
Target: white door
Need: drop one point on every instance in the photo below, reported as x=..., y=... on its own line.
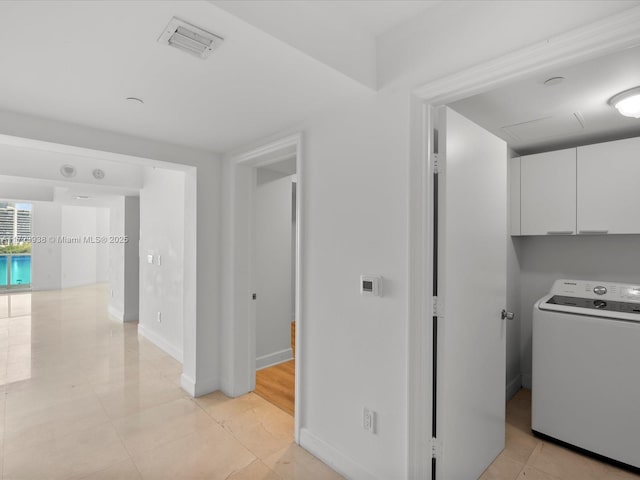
x=472, y=235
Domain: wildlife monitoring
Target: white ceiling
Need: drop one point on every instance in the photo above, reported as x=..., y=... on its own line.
x=533, y=117
x=77, y=61
x=376, y=16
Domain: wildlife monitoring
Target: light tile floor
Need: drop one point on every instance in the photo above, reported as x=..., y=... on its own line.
x=529, y=458
x=83, y=397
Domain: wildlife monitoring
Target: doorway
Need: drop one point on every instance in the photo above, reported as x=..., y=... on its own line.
x=447, y=91
x=274, y=253
x=242, y=299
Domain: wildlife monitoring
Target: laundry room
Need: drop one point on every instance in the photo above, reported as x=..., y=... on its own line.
x=573, y=134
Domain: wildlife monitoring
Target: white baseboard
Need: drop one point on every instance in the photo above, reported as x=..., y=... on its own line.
x=526, y=380
x=116, y=313
x=188, y=384
x=160, y=342
x=334, y=458
x=513, y=386
x=200, y=388
x=274, y=359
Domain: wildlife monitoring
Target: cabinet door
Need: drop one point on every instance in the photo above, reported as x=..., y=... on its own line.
x=514, y=195
x=608, y=187
x=548, y=193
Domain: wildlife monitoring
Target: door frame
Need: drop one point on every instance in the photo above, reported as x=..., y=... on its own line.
x=605, y=36
x=239, y=316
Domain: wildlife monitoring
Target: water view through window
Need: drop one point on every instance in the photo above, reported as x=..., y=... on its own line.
x=15, y=245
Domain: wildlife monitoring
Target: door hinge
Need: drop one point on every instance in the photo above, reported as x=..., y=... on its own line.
x=437, y=309
x=435, y=164
x=436, y=448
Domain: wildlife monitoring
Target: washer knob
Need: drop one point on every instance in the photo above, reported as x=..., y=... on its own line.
x=599, y=290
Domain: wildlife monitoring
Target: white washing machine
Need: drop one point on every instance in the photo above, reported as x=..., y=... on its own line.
x=586, y=368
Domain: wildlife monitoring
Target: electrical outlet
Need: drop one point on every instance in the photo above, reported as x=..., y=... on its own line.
x=159, y=317
x=369, y=420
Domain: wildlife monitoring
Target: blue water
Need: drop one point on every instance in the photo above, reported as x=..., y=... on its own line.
x=20, y=270
x=3, y=271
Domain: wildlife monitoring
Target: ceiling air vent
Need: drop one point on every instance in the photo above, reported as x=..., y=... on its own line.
x=190, y=38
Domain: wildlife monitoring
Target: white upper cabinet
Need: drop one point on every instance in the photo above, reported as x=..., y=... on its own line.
x=548, y=193
x=609, y=187
x=514, y=195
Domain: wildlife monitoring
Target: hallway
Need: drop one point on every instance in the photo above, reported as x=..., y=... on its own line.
x=83, y=396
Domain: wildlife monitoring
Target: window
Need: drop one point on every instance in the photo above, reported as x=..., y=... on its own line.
x=15, y=244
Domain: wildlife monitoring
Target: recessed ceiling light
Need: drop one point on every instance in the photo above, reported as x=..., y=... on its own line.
x=550, y=82
x=98, y=174
x=627, y=102
x=189, y=38
x=68, y=171
x=135, y=100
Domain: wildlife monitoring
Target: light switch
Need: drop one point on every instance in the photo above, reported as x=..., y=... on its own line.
x=150, y=258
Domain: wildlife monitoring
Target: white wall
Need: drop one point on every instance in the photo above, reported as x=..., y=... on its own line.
x=131, y=258
x=46, y=258
x=57, y=264
x=355, y=216
x=273, y=249
x=78, y=259
x=102, y=249
x=162, y=203
x=543, y=260
x=124, y=278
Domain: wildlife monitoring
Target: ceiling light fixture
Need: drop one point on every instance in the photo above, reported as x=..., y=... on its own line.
x=68, y=171
x=82, y=197
x=627, y=102
x=190, y=38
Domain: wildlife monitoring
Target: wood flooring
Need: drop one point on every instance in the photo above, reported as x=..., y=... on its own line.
x=277, y=385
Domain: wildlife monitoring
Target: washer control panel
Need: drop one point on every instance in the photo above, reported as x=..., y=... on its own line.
x=620, y=292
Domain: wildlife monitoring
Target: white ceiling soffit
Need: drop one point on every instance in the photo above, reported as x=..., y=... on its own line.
x=82, y=197
x=341, y=34
x=315, y=30
x=26, y=192
x=67, y=64
x=44, y=165
x=286, y=166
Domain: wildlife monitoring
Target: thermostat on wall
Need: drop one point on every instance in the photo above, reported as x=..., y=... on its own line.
x=371, y=285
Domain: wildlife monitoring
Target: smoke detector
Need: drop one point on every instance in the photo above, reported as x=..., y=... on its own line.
x=98, y=174
x=190, y=38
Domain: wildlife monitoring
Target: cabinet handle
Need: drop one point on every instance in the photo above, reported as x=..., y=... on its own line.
x=593, y=232
x=560, y=232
